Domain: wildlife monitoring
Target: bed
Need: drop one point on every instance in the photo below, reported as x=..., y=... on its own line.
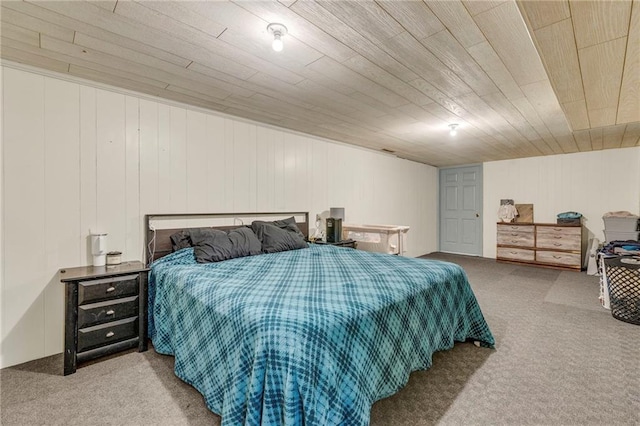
x=311, y=336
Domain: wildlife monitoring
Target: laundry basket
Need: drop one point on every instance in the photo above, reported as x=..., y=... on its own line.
x=623, y=276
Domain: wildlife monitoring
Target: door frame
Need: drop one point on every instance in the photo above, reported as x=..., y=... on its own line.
x=480, y=208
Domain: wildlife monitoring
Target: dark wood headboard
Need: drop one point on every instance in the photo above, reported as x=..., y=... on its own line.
x=158, y=241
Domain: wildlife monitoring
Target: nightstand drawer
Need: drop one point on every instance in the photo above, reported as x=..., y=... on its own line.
x=111, y=310
x=105, y=334
x=108, y=288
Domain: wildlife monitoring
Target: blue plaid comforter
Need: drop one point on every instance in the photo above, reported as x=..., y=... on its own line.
x=312, y=336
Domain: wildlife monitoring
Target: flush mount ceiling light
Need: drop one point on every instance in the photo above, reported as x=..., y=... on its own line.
x=452, y=129
x=278, y=31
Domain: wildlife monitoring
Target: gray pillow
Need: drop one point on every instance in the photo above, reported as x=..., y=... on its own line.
x=244, y=242
x=275, y=238
x=210, y=245
x=289, y=224
x=180, y=240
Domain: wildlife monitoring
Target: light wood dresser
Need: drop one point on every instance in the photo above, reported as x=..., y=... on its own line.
x=543, y=244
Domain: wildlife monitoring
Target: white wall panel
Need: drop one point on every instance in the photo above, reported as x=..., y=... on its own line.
x=319, y=188
x=227, y=178
x=244, y=167
x=88, y=175
x=2, y=258
x=62, y=198
x=290, y=172
x=215, y=164
x=95, y=159
x=197, y=161
x=133, y=232
x=178, y=161
x=301, y=181
x=591, y=183
x=265, y=170
x=279, y=172
x=149, y=158
x=339, y=171
x=164, y=177
x=111, y=169
x=24, y=213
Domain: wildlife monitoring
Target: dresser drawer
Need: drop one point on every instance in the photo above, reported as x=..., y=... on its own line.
x=502, y=227
x=575, y=231
x=513, y=238
x=559, y=258
x=108, y=288
x=558, y=241
x=105, y=334
x=516, y=254
x=111, y=310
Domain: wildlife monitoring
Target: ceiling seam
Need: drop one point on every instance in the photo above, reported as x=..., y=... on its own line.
x=624, y=60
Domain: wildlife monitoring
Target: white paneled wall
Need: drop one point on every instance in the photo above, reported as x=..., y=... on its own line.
x=591, y=183
x=78, y=158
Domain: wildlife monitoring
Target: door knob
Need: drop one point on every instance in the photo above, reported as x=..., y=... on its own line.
x=477, y=215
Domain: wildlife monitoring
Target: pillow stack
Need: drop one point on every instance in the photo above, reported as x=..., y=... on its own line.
x=214, y=245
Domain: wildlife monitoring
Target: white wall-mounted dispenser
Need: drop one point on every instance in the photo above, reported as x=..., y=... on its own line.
x=99, y=249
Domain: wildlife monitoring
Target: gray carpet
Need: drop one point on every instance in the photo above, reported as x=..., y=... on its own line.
x=560, y=359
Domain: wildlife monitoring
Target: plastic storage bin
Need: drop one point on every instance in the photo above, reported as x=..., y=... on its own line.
x=390, y=239
x=623, y=276
x=621, y=224
x=620, y=236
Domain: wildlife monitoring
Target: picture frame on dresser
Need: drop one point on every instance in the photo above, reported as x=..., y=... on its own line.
x=105, y=311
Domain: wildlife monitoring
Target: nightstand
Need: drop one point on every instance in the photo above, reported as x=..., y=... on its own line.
x=105, y=311
x=344, y=243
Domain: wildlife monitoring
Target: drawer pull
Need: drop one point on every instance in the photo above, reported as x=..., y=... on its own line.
x=557, y=237
x=557, y=257
x=557, y=244
x=110, y=289
x=513, y=252
x=110, y=334
x=111, y=312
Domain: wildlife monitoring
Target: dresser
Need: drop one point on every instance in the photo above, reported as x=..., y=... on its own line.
x=544, y=244
x=105, y=311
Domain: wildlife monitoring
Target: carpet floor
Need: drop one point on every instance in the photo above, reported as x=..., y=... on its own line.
x=560, y=359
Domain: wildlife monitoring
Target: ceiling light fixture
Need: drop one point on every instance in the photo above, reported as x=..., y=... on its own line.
x=278, y=31
x=452, y=129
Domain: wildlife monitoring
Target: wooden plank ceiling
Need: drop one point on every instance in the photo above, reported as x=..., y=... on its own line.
x=381, y=74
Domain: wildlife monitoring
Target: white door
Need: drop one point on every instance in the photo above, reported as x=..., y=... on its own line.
x=461, y=210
